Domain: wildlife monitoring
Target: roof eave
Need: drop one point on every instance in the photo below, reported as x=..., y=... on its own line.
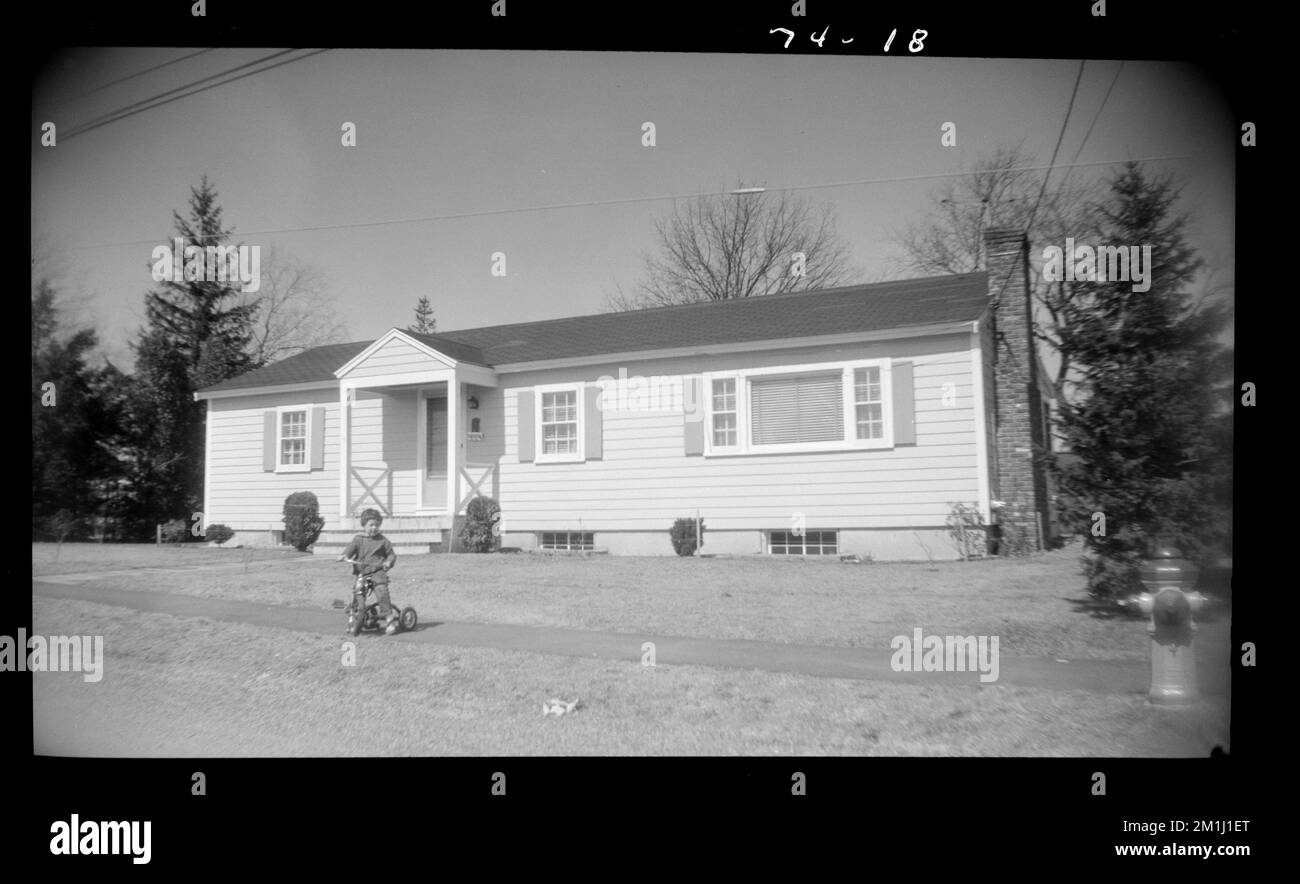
x=910, y=331
x=264, y=389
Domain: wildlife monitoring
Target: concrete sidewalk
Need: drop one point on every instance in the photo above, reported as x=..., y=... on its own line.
x=1107, y=676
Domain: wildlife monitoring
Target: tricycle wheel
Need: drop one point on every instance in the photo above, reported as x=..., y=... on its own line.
x=409, y=619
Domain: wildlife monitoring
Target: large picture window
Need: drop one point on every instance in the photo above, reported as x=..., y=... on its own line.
x=820, y=407
x=787, y=409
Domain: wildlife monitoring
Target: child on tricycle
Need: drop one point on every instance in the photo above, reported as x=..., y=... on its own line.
x=372, y=557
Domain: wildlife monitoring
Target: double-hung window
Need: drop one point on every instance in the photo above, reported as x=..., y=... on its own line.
x=559, y=421
x=725, y=426
x=868, y=403
x=292, y=436
x=817, y=407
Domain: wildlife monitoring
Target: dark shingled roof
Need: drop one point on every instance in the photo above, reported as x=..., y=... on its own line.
x=859, y=308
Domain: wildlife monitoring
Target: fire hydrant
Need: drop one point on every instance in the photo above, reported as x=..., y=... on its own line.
x=1171, y=601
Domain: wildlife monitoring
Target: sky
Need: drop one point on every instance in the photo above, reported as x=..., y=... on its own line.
x=451, y=132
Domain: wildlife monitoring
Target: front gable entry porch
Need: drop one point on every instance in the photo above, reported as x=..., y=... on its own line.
x=402, y=429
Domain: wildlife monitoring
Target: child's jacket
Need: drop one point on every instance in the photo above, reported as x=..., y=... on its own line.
x=374, y=553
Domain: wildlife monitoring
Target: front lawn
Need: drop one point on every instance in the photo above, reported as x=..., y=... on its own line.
x=191, y=687
x=1036, y=606
x=48, y=558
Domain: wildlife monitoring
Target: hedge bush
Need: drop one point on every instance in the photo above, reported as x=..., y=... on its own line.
x=967, y=530
x=683, y=536
x=302, y=520
x=176, y=531
x=479, y=531
x=219, y=534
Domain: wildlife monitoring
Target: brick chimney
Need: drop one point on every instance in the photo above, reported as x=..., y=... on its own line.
x=1019, y=405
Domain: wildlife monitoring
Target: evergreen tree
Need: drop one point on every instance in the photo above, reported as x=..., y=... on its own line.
x=197, y=333
x=425, y=324
x=191, y=313
x=1148, y=410
x=73, y=422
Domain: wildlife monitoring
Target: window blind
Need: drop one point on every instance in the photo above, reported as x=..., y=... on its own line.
x=797, y=408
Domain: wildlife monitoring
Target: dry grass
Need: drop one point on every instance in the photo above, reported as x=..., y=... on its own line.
x=47, y=558
x=191, y=687
x=1037, y=606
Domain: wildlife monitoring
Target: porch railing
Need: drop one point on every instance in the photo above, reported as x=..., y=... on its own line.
x=369, y=492
x=485, y=484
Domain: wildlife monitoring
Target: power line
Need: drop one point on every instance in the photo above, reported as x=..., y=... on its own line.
x=115, y=113
x=1095, y=117
x=1056, y=149
x=136, y=108
x=137, y=74
x=624, y=200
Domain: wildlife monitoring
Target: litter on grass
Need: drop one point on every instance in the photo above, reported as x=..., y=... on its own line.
x=557, y=707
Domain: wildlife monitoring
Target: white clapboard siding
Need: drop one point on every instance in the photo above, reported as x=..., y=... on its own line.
x=393, y=357
x=644, y=480
x=239, y=493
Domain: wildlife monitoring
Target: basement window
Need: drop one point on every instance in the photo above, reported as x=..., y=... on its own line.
x=811, y=543
x=568, y=540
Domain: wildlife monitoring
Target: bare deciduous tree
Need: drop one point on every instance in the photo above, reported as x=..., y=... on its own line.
x=719, y=247
x=295, y=311
x=999, y=192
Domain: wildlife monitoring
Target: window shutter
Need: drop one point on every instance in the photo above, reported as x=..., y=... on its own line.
x=904, y=404
x=268, y=441
x=318, y=438
x=797, y=408
x=693, y=415
x=594, y=424
x=526, y=429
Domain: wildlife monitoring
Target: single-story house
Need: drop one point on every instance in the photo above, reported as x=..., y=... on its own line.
x=841, y=421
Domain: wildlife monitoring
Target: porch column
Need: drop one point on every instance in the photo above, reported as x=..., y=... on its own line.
x=455, y=444
x=345, y=451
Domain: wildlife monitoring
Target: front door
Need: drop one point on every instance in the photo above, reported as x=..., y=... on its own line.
x=435, y=453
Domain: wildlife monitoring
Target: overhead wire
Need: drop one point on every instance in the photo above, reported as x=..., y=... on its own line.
x=625, y=200
x=170, y=95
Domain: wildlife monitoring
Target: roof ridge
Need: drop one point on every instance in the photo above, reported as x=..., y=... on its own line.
x=947, y=278
x=874, y=306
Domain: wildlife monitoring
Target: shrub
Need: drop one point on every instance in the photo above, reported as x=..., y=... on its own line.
x=176, y=531
x=683, y=536
x=302, y=521
x=967, y=529
x=64, y=524
x=1019, y=533
x=1112, y=577
x=219, y=534
x=479, y=532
